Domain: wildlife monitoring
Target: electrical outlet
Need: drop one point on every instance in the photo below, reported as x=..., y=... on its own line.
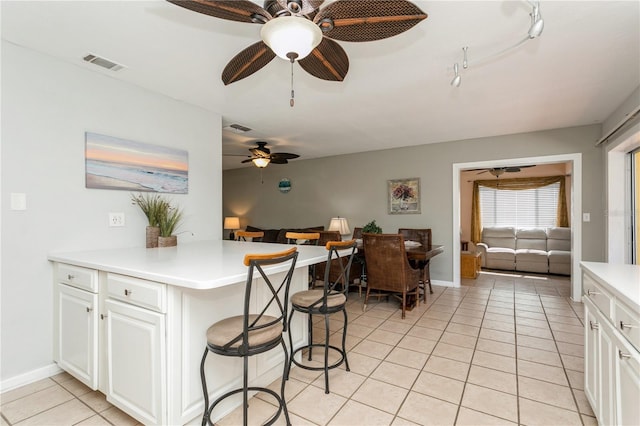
x=116, y=219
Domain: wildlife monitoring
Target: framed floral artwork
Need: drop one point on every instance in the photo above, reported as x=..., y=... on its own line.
x=404, y=196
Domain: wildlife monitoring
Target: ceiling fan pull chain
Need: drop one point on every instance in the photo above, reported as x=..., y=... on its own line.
x=292, y=102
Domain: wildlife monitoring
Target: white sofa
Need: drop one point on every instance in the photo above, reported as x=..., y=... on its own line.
x=541, y=250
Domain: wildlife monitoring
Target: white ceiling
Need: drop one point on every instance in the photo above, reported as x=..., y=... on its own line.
x=397, y=91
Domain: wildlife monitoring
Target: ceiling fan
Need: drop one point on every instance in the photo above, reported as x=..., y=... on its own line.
x=299, y=30
x=498, y=171
x=262, y=156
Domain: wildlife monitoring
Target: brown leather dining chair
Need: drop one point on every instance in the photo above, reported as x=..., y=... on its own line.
x=388, y=269
x=423, y=236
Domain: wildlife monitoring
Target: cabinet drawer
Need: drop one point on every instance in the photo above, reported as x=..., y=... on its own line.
x=76, y=276
x=627, y=323
x=146, y=294
x=597, y=295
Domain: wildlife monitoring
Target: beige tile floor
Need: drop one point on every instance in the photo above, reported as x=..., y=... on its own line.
x=502, y=349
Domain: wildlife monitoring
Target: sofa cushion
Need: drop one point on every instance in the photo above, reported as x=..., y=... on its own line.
x=531, y=255
x=501, y=253
x=499, y=236
x=270, y=235
x=559, y=256
x=532, y=238
x=559, y=239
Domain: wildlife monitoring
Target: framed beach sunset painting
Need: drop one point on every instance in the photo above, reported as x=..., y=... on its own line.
x=114, y=163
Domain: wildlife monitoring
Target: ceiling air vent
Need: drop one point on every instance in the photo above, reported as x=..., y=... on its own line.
x=237, y=128
x=102, y=62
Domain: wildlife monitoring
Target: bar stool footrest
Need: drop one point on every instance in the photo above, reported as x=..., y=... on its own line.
x=271, y=421
x=319, y=368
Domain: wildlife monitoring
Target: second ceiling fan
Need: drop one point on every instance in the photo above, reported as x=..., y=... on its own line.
x=261, y=156
x=297, y=30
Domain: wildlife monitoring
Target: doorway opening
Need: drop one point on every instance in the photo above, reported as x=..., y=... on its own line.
x=575, y=211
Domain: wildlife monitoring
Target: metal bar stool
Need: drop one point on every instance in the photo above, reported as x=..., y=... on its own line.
x=254, y=331
x=309, y=238
x=326, y=301
x=254, y=235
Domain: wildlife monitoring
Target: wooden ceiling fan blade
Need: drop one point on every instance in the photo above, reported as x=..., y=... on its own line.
x=328, y=61
x=368, y=20
x=283, y=156
x=238, y=10
x=245, y=63
x=300, y=7
x=279, y=161
x=248, y=160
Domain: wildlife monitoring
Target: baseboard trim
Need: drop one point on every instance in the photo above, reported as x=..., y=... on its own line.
x=29, y=377
x=444, y=283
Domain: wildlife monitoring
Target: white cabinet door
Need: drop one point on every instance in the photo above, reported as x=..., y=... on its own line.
x=607, y=375
x=136, y=365
x=78, y=334
x=592, y=357
x=627, y=364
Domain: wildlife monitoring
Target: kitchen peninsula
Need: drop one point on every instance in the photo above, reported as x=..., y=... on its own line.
x=132, y=322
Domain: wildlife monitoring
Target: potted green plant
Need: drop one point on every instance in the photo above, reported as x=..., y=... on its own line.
x=153, y=206
x=170, y=219
x=371, y=228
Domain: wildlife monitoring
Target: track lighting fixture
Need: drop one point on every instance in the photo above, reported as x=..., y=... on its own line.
x=537, y=23
x=535, y=30
x=457, y=78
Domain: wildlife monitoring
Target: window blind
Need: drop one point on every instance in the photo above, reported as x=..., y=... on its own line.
x=522, y=208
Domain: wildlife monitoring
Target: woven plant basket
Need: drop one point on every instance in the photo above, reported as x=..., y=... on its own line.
x=171, y=241
x=153, y=232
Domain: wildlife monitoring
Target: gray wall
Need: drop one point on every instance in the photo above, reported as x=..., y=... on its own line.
x=47, y=105
x=354, y=186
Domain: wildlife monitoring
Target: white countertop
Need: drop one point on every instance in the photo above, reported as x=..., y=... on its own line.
x=621, y=279
x=199, y=265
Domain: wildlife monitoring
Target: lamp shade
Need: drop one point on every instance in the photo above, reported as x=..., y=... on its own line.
x=288, y=34
x=231, y=222
x=339, y=224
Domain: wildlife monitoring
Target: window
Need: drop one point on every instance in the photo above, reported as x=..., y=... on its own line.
x=525, y=208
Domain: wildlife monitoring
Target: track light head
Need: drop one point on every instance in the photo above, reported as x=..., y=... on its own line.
x=457, y=78
x=537, y=23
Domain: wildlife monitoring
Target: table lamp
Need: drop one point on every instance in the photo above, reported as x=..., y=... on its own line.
x=232, y=223
x=339, y=224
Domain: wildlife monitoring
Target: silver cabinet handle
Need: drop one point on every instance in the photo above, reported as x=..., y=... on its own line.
x=624, y=325
x=102, y=316
x=89, y=309
x=594, y=325
x=127, y=292
x=623, y=355
x=70, y=277
x=592, y=293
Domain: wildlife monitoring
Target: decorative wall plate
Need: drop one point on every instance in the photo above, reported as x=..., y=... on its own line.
x=284, y=185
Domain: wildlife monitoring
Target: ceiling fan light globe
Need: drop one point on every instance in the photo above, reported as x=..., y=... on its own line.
x=291, y=34
x=261, y=162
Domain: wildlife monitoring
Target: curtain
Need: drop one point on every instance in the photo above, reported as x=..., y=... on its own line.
x=562, y=217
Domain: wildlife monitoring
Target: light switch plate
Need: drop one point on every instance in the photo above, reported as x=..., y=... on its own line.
x=586, y=217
